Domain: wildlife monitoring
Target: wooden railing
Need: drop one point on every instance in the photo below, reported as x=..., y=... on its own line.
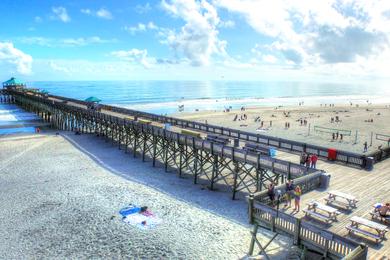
x=380, y=154
x=288, y=169
x=307, y=183
x=305, y=234
x=349, y=158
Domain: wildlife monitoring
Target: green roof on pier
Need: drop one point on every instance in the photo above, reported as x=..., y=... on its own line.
x=13, y=82
x=93, y=99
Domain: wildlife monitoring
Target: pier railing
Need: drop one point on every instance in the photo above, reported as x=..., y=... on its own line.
x=304, y=234
x=349, y=158
x=233, y=167
x=306, y=183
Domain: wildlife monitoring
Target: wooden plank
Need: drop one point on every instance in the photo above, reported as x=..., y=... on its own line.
x=369, y=223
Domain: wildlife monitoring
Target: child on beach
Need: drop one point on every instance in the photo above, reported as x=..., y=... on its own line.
x=297, y=198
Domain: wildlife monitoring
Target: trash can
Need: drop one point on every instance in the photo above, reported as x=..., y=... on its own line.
x=369, y=163
x=332, y=154
x=272, y=152
x=325, y=180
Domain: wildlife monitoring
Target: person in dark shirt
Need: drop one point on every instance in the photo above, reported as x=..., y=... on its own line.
x=271, y=193
x=289, y=192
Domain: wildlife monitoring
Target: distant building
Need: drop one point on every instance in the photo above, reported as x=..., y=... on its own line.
x=13, y=83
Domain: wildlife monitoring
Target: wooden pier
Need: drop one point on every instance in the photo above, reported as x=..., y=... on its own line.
x=209, y=162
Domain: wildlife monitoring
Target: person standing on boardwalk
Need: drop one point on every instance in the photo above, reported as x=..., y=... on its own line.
x=314, y=159
x=365, y=148
x=308, y=160
x=302, y=159
x=297, y=198
x=271, y=193
x=289, y=192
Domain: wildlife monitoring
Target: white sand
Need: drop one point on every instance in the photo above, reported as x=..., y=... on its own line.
x=352, y=118
x=60, y=201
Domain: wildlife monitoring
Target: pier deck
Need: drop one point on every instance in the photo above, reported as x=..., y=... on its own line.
x=368, y=187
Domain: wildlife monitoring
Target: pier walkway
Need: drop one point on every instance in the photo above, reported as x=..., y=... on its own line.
x=218, y=165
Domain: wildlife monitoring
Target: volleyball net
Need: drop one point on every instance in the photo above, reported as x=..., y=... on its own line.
x=327, y=130
x=382, y=137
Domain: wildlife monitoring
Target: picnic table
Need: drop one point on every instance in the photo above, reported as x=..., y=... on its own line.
x=334, y=195
x=356, y=222
x=326, y=213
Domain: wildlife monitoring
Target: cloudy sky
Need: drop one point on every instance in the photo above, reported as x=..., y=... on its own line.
x=195, y=40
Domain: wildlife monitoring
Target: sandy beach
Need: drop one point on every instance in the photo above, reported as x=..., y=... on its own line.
x=356, y=120
x=60, y=197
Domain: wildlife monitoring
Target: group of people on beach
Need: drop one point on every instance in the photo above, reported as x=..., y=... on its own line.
x=335, y=136
x=330, y=105
x=242, y=117
x=291, y=192
x=335, y=119
x=303, y=122
x=309, y=160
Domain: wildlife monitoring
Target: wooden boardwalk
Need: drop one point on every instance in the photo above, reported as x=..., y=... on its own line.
x=369, y=187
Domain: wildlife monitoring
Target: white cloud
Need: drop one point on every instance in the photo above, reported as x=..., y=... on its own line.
x=101, y=13
x=61, y=14
x=227, y=24
x=86, y=11
x=198, y=39
x=318, y=35
x=104, y=13
x=134, y=56
x=65, y=42
x=10, y=55
x=38, y=19
x=141, y=27
x=143, y=9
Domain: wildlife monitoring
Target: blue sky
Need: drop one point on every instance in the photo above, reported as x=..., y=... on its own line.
x=195, y=40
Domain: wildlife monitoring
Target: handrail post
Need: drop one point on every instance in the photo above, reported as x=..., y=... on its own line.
x=251, y=200
x=297, y=231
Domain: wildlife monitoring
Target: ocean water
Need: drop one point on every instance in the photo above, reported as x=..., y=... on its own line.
x=165, y=97
x=11, y=115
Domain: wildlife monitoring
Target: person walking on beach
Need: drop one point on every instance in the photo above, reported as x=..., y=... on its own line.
x=289, y=192
x=271, y=193
x=297, y=198
x=314, y=159
x=365, y=148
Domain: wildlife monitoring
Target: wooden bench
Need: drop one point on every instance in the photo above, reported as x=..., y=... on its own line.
x=191, y=133
x=379, y=228
x=308, y=212
x=144, y=121
x=337, y=203
x=333, y=195
x=363, y=232
x=256, y=148
x=218, y=139
x=313, y=207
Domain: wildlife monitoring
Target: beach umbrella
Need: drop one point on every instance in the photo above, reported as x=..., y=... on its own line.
x=93, y=99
